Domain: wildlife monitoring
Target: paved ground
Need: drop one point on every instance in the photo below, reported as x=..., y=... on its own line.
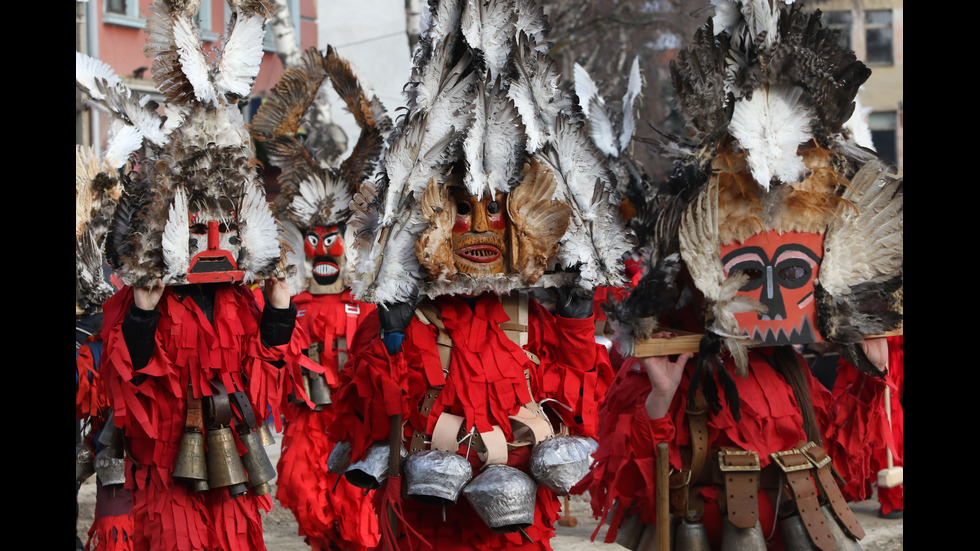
x=281, y=532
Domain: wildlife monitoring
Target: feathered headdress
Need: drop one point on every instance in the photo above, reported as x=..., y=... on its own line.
x=199, y=160
x=766, y=89
x=314, y=193
x=485, y=113
x=98, y=187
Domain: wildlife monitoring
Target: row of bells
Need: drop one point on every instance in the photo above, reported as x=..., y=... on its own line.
x=501, y=495
x=315, y=386
x=218, y=465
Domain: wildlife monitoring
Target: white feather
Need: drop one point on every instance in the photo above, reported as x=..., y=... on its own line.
x=122, y=142
x=192, y=60
x=295, y=256
x=175, y=242
x=241, y=56
x=89, y=70
x=633, y=89
x=771, y=126
x=258, y=230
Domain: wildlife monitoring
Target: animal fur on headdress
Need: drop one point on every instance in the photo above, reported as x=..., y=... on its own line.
x=766, y=90
x=314, y=193
x=201, y=157
x=98, y=187
x=485, y=110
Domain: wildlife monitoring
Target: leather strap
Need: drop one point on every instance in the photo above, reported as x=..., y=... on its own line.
x=796, y=468
x=418, y=437
x=195, y=416
x=822, y=466
x=740, y=470
x=446, y=433
x=529, y=428
x=682, y=480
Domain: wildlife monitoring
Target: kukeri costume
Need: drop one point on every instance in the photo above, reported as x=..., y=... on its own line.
x=204, y=365
x=97, y=189
x=313, y=209
x=776, y=229
x=476, y=395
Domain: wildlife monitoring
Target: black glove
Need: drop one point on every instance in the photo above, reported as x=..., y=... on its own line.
x=394, y=320
x=574, y=302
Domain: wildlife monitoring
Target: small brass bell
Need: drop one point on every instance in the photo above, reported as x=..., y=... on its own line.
x=265, y=435
x=257, y=464
x=225, y=468
x=191, y=464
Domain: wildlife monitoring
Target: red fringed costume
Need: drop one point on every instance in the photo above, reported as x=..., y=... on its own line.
x=150, y=406
x=623, y=479
x=486, y=383
x=331, y=513
x=113, y=526
x=862, y=400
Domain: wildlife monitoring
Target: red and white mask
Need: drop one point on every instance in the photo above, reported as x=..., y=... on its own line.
x=324, y=248
x=214, y=246
x=782, y=269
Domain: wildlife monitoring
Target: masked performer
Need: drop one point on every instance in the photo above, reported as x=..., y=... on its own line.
x=775, y=230
x=97, y=189
x=491, y=187
x=187, y=356
x=313, y=208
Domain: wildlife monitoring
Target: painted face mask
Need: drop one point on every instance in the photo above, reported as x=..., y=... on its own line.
x=782, y=269
x=479, y=242
x=324, y=248
x=214, y=246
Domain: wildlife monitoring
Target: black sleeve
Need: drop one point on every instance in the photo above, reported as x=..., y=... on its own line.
x=277, y=324
x=139, y=331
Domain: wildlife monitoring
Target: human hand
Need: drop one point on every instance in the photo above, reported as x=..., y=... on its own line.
x=147, y=298
x=665, y=376
x=876, y=350
x=277, y=292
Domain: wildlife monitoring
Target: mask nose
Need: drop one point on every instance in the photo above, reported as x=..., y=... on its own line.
x=214, y=237
x=772, y=297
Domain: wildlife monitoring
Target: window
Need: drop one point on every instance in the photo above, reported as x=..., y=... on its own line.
x=878, y=35
x=843, y=22
x=125, y=13
x=884, y=133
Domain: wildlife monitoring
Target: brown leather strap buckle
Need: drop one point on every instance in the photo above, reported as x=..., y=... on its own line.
x=778, y=459
x=741, y=473
x=815, y=454
x=741, y=460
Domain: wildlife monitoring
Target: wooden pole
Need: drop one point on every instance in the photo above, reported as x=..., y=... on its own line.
x=663, y=497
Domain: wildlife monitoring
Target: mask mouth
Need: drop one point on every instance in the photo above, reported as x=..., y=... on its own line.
x=325, y=271
x=481, y=254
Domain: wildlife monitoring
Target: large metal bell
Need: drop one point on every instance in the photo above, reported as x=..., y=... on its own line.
x=503, y=497
x=339, y=459
x=795, y=537
x=844, y=542
x=265, y=435
x=257, y=464
x=734, y=538
x=225, y=468
x=436, y=477
x=319, y=392
x=84, y=459
x=111, y=470
x=372, y=470
x=191, y=465
x=691, y=536
x=560, y=462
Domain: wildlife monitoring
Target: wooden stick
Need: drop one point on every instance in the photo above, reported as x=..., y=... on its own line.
x=394, y=467
x=663, y=497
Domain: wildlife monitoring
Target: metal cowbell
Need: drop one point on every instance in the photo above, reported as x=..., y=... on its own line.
x=191, y=465
x=225, y=468
x=257, y=464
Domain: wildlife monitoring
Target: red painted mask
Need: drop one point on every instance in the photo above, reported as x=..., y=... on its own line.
x=324, y=249
x=214, y=245
x=782, y=271
x=479, y=235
